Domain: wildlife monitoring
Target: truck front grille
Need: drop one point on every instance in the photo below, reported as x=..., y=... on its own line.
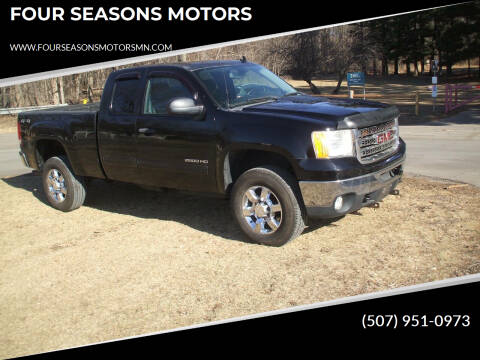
x=376, y=142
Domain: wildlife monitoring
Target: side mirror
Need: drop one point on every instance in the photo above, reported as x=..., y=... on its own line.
x=185, y=106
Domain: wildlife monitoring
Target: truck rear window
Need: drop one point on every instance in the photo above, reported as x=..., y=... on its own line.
x=123, y=98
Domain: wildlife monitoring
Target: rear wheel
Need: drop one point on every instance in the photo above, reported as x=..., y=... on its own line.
x=266, y=204
x=65, y=191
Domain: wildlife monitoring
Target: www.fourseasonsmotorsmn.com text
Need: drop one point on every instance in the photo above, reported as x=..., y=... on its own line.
x=95, y=47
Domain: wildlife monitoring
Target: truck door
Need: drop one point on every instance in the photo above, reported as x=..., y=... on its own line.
x=175, y=151
x=116, y=128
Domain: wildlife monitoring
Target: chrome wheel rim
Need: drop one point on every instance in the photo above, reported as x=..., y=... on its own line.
x=262, y=210
x=56, y=185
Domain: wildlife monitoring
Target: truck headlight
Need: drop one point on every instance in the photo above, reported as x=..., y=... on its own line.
x=333, y=143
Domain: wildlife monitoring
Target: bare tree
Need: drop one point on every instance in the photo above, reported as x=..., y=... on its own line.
x=274, y=54
x=344, y=49
x=304, y=55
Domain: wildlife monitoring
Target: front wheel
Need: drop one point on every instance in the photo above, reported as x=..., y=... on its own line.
x=65, y=191
x=266, y=204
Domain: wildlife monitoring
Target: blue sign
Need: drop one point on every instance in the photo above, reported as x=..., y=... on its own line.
x=356, y=78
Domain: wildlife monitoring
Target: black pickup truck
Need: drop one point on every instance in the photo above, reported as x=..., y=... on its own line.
x=226, y=127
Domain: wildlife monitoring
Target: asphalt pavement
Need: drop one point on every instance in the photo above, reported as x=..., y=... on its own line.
x=10, y=162
x=447, y=149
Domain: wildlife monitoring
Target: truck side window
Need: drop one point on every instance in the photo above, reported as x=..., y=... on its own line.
x=162, y=90
x=216, y=83
x=123, y=98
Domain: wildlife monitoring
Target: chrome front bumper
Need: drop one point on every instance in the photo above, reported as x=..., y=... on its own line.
x=319, y=196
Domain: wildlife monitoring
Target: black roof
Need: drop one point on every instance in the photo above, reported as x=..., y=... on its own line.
x=191, y=66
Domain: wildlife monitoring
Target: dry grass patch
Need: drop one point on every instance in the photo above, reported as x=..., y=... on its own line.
x=131, y=261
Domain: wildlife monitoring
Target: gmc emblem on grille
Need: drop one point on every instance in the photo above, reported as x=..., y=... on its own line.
x=376, y=142
x=381, y=138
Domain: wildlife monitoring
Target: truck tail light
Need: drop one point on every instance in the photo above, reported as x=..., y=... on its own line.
x=19, y=131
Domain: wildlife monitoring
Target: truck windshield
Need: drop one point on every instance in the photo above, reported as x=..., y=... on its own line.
x=241, y=85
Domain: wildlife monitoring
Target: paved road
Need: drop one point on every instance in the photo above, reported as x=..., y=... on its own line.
x=10, y=163
x=449, y=149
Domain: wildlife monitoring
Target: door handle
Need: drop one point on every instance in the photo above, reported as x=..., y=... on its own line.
x=146, y=131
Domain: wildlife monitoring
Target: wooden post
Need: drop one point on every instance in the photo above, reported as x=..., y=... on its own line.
x=447, y=98
x=456, y=94
x=416, y=103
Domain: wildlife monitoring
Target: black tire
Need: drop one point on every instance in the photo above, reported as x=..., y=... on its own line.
x=285, y=190
x=74, y=186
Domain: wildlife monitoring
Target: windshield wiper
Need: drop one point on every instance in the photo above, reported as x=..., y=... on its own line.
x=255, y=101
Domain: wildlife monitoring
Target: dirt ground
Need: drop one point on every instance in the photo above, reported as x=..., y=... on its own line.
x=399, y=91
x=132, y=261
x=8, y=123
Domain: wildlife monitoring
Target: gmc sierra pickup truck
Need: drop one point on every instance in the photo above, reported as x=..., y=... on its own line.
x=226, y=127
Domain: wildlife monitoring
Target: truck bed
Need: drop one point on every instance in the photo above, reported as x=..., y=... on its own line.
x=91, y=107
x=73, y=126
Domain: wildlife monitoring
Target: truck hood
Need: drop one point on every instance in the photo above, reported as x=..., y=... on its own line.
x=315, y=107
